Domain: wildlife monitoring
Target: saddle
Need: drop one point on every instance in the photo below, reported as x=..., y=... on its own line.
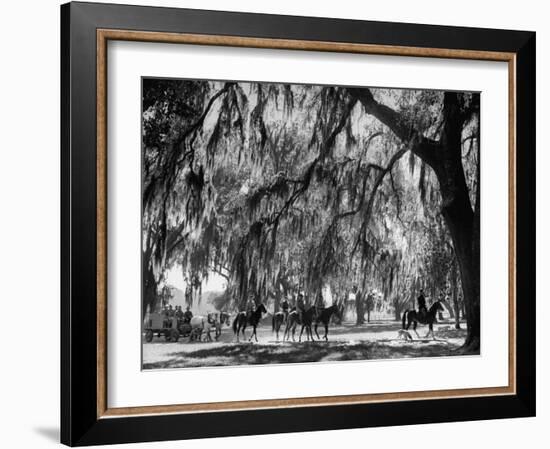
x=422, y=313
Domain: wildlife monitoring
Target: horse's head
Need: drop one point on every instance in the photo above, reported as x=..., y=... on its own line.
x=438, y=307
x=261, y=308
x=337, y=311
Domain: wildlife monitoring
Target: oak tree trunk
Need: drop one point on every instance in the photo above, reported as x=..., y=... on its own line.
x=150, y=293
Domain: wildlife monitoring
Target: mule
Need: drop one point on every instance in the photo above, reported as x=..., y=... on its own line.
x=201, y=325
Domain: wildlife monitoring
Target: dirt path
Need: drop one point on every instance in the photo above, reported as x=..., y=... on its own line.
x=377, y=340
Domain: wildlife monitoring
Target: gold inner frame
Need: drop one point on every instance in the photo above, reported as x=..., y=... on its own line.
x=104, y=35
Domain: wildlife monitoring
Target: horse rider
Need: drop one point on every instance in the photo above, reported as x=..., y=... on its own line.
x=250, y=306
x=421, y=301
x=319, y=303
x=187, y=315
x=300, y=305
x=284, y=307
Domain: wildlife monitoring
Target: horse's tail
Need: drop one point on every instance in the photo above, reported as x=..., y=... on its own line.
x=273, y=323
x=235, y=324
x=404, y=318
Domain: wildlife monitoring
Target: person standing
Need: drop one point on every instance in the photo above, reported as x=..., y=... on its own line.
x=369, y=304
x=359, y=306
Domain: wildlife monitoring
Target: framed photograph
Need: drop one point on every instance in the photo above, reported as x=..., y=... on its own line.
x=282, y=224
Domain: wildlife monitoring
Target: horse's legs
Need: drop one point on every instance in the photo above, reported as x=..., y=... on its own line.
x=317, y=333
x=301, y=332
x=252, y=334
x=326, y=332
x=255, y=335
x=414, y=329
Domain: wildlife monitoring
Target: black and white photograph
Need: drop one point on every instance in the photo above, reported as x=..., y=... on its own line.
x=291, y=223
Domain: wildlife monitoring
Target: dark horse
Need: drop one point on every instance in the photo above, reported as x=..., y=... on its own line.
x=412, y=316
x=323, y=316
x=306, y=321
x=242, y=320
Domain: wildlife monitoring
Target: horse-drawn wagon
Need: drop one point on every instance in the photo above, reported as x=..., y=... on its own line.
x=171, y=328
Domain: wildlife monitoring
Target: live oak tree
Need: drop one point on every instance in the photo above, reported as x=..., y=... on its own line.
x=282, y=188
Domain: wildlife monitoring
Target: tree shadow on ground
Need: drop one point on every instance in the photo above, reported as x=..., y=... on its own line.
x=318, y=351
x=379, y=326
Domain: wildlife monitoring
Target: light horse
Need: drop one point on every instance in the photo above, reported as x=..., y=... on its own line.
x=323, y=316
x=242, y=320
x=279, y=318
x=202, y=325
x=306, y=321
x=412, y=316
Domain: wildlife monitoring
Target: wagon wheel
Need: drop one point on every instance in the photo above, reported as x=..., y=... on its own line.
x=174, y=334
x=148, y=335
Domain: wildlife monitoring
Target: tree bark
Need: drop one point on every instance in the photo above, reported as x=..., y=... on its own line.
x=454, y=295
x=359, y=310
x=150, y=294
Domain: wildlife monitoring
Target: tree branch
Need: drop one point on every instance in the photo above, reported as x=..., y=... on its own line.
x=421, y=146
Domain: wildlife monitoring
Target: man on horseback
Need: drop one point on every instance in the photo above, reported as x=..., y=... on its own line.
x=300, y=305
x=422, y=309
x=250, y=306
x=319, y=303
x=284, y=307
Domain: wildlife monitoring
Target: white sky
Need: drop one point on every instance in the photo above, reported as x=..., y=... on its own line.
x=215, y=282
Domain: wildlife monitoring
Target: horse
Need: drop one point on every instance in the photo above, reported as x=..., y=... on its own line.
x=294, y=319
x=242, y=320
x=199, y=325
x=324, y=315
x=278, y=319
x=412, y=316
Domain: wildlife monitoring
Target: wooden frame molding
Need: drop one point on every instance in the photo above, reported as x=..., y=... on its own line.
x=105, y=35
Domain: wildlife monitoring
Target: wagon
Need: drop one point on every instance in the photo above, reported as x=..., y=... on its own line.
x=171, y=327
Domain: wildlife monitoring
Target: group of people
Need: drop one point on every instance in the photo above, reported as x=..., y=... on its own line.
x=177, y=312
x=301, y=304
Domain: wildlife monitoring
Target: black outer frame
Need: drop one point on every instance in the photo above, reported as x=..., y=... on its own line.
x=79, y=422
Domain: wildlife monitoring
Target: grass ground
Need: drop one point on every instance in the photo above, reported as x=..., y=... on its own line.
x=348, y=342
